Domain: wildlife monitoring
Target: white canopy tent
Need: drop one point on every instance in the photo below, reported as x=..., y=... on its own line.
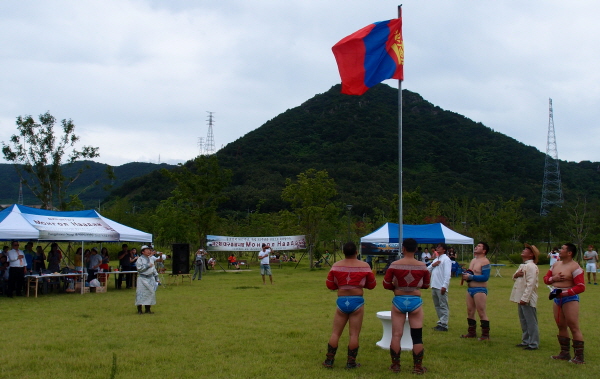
x=427, y=233
x=19, y=222
x=386, y=237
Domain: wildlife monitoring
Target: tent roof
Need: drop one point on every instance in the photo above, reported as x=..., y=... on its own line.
x=21, y=223
x=427, y=233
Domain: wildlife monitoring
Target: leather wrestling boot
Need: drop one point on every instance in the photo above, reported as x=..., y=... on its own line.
x=148, y=310
x=351, y=363
x=485, y=330
x=472, y=330
x=139, y=307
x=418, y=367
x=577, y=352
x=565, y=350
x=330, y=356
x=395, y=367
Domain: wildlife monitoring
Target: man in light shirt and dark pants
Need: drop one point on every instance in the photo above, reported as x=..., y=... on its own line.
x=524, y=293
x=440, y=270
x=16, y=271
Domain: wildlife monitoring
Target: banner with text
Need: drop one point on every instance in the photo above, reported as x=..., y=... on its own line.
x=225, y=243
x=71, y=228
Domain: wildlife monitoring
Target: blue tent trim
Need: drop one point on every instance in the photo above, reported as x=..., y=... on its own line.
x=426, y=233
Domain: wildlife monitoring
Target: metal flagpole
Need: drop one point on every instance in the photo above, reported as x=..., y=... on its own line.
x=400, y=219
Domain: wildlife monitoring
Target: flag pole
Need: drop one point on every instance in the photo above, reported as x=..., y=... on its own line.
x=400, y=219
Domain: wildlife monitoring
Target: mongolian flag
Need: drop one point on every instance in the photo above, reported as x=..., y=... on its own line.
x=371, y=55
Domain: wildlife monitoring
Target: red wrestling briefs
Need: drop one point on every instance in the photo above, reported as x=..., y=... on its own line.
x=578, y=280
x=342, y=277
x=406, y=277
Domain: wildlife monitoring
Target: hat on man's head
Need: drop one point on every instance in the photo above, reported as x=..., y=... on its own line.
x=535, y=251
x=144, y=247
x=95, y=249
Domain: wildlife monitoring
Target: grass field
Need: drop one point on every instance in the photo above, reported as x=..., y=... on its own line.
x=231, y=326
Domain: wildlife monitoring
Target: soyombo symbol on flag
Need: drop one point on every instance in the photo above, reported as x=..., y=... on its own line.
x=370, y=55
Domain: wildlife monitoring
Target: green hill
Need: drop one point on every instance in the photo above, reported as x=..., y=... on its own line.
x=355, y=138
x=90, y=195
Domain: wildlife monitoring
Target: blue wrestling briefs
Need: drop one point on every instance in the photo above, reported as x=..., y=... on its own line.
x=475, y=290
x=566, y=299
x=406, y=303
x=349, y=304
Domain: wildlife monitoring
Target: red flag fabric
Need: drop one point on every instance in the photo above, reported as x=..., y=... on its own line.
x=371, y=55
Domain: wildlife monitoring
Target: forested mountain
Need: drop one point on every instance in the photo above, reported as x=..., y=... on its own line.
x=90, y=194
x=355, y=138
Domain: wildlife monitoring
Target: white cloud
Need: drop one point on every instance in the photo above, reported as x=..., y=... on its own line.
x=128, y=71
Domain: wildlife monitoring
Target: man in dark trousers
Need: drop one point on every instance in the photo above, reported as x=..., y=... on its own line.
x=124, y=263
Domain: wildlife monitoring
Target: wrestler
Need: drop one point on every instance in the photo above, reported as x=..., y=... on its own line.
x=406, y=277
x=567, y=278
x=348, y=276
x=477, y=277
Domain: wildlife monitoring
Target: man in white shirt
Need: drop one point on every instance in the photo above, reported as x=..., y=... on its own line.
x=440, y=269
x=94, y=263
x=265, y=267
x=16, y=271
x=591, y=258
x=553, y=256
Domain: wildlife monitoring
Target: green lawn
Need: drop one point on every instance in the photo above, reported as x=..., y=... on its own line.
x=231, y=326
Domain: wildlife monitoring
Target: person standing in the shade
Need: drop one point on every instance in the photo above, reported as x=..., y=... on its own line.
x=199, y=264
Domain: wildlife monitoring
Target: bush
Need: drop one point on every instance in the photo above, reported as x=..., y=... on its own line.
x=543, y=259
x=516, y=258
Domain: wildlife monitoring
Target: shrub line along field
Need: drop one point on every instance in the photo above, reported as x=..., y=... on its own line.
x=230, y=325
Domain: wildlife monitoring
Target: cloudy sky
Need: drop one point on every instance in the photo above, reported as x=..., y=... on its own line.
x=139, y=76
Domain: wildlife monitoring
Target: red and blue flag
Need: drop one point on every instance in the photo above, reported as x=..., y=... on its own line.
x=371, y=55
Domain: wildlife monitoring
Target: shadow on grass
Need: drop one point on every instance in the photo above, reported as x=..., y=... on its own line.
x=246, y=288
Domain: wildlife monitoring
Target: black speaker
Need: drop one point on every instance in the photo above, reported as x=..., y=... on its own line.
x=181, y=258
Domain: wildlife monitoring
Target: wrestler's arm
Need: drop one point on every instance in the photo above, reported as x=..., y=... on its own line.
x=371, y=282
x=485, y=274
x=330, y=283
x=548, y=277
x=579, y=281
x=426, y=280
x=388, y=279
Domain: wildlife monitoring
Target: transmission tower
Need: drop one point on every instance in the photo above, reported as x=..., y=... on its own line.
x=552, y=187
x=20, y=201
x=210, y=138
x=200, y=145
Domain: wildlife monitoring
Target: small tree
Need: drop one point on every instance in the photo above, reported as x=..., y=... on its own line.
x=577, y=223
x=310, y=197
x=198, y=193
x=38, y=157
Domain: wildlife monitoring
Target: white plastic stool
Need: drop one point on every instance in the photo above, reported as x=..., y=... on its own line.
x=386, y=319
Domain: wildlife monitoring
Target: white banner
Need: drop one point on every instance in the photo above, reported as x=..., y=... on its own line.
x=71, y=228
x=225, y=243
